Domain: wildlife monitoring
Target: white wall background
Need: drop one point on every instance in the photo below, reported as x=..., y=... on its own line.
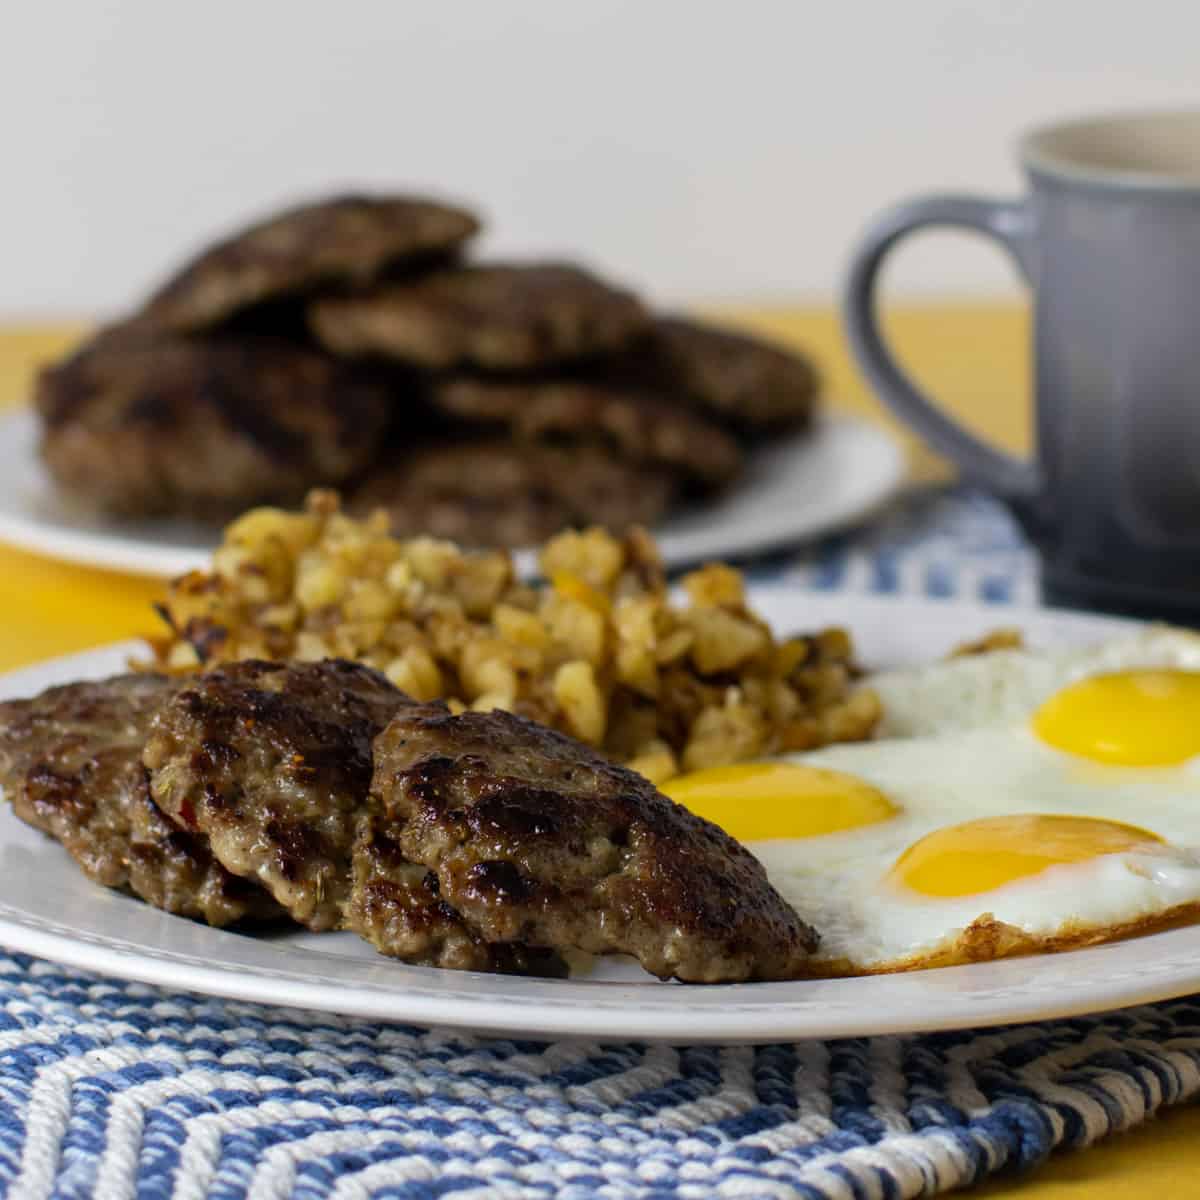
x=705, y=151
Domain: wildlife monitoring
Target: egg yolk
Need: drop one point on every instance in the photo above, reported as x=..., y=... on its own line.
x=755, y=802
x=977, y=856
x=1129, y=718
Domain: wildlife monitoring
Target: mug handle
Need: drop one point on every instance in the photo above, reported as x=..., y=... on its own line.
x=1010, y=223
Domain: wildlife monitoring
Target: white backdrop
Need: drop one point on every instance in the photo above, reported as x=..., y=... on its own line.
x=705, y=151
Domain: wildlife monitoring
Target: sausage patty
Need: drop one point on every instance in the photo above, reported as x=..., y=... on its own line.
x=143, y=425
x=272, y=761
x=631, y=423
x=344, y=240
x=501, y=493
x=535, y=838
x=70, y=764
x=754, y=387
x=497, y=316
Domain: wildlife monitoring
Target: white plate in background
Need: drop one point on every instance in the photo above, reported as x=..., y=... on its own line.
x=795, y=490
x=48, y=908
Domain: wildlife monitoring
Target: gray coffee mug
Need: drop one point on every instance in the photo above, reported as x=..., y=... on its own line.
x=1109, y=242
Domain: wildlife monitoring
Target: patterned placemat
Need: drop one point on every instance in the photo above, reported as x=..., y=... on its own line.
x=119, y=1090
x=942, y=542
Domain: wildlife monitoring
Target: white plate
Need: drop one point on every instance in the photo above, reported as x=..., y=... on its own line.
x=797, y=489
x=47, y=908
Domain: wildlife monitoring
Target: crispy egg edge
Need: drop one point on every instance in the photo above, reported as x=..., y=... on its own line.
x=987, y=940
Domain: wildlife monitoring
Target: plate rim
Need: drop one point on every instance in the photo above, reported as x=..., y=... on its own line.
x=862, y=494
x=1088, y=980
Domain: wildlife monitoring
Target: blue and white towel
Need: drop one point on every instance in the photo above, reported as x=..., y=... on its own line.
x=115, y=1090
x=940, y=542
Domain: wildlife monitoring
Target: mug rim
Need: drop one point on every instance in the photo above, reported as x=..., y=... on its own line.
x=1037, y=154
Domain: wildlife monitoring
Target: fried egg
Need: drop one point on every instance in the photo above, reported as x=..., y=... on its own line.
x=1018, y=802
x=1006, y=686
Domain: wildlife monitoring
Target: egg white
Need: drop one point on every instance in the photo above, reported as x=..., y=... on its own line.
x=1006, y=686
x=838, y=882
x=957, y=746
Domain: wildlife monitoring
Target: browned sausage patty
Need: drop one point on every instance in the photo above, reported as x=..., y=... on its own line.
x=499, y=493
x=632, y=423
x=139, y=425
x=344, y=240
x=536, y=838
x=70, y=764
x=500, y=316
x=752, y=386
x=272, y=761
x=397, y=907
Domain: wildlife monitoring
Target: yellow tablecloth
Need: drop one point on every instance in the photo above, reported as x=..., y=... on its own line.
x=974, y=357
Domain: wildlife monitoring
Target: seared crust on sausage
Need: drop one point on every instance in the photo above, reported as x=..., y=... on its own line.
x=347, y=240
x=753, y=386
x=70, y=764
x=142, y=425
x=500, y=493
x=396, y=906
x=496, y=316
x=631, y=423
x=535, y=838
x=271, y=761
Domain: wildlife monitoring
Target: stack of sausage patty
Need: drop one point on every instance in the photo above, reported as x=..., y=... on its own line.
x=347, y=343
x=318, y=793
